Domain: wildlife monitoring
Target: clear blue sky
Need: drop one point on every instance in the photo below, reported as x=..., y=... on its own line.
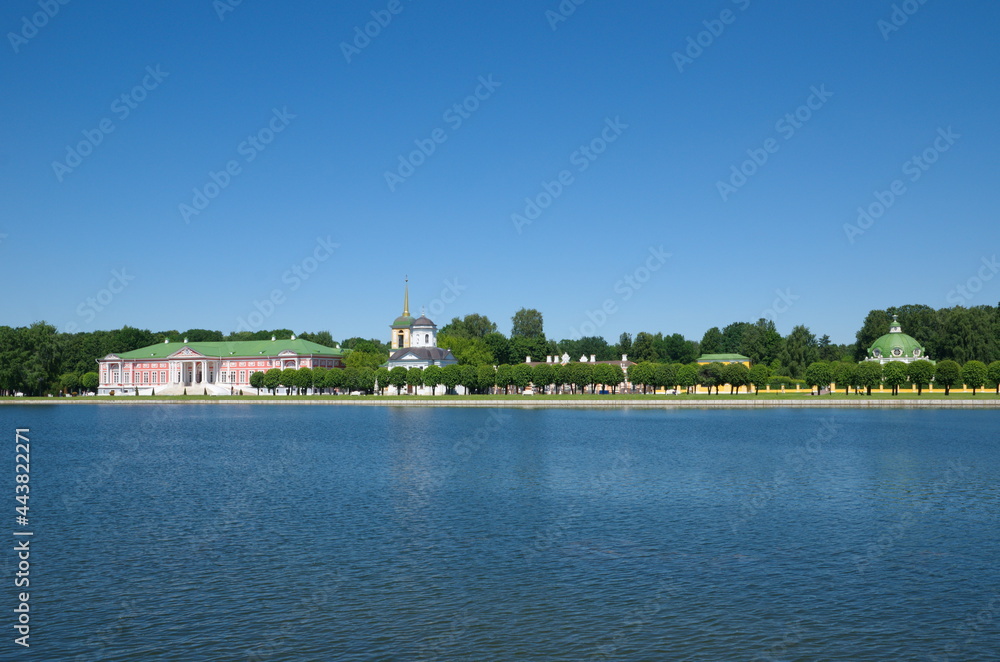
x=343, y=125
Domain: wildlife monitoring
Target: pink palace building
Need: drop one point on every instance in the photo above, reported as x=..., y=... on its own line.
x=220, y=368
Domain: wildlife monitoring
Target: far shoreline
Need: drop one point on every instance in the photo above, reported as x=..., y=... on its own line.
x=543, y=402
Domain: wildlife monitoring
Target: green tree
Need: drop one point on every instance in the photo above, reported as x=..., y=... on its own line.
x=819, y=374
x=272, y=379
x=581, y=375
x=432, y=376
x=381, y=379
x=677, y=349
x=641, y=373
x=471, y=326
x=352, y=379
x=486, y=375
x=610, y=374
x=644, y=348
x=468, y=351
x=90, y=381
x=365, y=380
x=522, y=347
x=736, y=375
x=521, y=375
x=542, y=375
x=920, y=373
x=559, y=377
x=288, y=379
x=664, y=375
x=710, y=376
x=687, y=377
x=800, y=350
x=499, y=346
x=470, y=378
x=415, y=378
x=624, y=345
x=947, y=374
x=397, y=378
x=303, y=379
x=712, y=341
x=257, y=380
x=451, y=376
x=362, y=359
x=527, y=322
x=334, y=378
x=504, y=377
x=974, y=374
x=70, y=382
x=759, y=376
x=894, y=375
x=870, y=375
x=844, y=375
x=992, y=374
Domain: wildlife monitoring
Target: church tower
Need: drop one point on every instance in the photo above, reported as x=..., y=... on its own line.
x=403, y=325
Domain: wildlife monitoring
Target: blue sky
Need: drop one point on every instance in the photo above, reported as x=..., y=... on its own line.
x=103, y=223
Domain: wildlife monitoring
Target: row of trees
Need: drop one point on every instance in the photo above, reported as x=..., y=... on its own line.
x=35, y=358
x=867, y=375
x=475, y=379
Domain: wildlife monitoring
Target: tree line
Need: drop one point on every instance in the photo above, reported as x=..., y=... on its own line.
x=37, y=359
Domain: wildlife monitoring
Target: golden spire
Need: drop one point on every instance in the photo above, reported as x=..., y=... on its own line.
x=406, y=298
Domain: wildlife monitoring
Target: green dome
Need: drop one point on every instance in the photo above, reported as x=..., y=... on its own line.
x=896, y=345
x=403, y=322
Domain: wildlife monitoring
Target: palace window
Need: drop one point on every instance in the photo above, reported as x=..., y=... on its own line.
x=243, y=375
x=128, y=375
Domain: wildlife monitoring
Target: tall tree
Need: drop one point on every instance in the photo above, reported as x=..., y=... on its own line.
x=644, y=348
x=799, y=351
x=624, y=343
x=947, y=373
x=712, y=342
x=527, y=322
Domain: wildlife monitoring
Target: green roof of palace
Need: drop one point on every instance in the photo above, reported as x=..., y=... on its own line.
x=712, y=358
x=233, y=348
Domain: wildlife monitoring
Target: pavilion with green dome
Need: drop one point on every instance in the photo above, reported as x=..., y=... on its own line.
x=896, y=346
